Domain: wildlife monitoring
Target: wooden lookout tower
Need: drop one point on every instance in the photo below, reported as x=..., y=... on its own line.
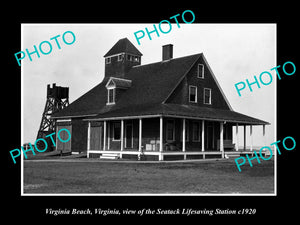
x=57, y=99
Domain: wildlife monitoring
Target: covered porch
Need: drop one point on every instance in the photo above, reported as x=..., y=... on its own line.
x=160, y=137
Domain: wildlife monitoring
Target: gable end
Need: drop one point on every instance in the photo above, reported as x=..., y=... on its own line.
x=208, y=81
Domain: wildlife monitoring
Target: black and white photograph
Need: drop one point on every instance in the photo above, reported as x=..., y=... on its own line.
x=154, y=118
x=113, y=112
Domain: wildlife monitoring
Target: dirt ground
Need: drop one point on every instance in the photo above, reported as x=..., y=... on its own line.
x=83, y=176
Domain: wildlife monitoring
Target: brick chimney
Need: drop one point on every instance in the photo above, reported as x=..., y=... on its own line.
x=167, y=52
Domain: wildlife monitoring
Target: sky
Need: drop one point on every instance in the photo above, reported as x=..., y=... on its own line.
x=235, y=52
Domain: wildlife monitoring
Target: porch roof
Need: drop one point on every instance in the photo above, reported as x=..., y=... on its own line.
x=180, y=111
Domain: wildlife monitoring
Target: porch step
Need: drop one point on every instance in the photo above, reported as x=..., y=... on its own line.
x=110, y=156
x=232, y=154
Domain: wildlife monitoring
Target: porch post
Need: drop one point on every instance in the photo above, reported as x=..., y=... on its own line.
x=140, y=134
x=251, y=139
x=221, y=138
x=160, y=138
x=237, y=137
x=244, y=137
x=122, y=135
x=88, y=139
x=264, y=134
x=104, y=135
x=202, y=137
x=183, y=137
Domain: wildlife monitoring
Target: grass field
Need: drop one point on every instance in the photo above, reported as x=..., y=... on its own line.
x=102, y=177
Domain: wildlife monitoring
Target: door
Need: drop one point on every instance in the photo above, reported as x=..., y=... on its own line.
x=129, y=135
x=209, y=137
x=96, y=138
x=64, y=147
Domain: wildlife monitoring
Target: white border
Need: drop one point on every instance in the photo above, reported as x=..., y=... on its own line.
x=149, y=194
x=275, y=118
x=22, y=117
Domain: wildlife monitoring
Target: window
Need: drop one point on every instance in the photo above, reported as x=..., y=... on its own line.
x=120, y=57
x=133, y=58
x=170, y=130
x=193, y=94
x=196, y=131
x=200, y=72
x=116, y=131
x=129, y=57
x=207, y=96
x=111, y=95
x=108, y=60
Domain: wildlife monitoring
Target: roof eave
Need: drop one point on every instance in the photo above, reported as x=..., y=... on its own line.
x=162, y=114
x=75, y=116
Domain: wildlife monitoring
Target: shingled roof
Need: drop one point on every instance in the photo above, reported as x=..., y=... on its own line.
x=123, y=45
x=181, y=111
x=119, y=83
x=151, y=85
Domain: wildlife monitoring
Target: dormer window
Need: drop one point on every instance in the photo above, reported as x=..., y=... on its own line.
x=111, y=96
x=112, y=85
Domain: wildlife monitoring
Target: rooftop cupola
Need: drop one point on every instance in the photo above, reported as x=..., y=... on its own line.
x=121, y=58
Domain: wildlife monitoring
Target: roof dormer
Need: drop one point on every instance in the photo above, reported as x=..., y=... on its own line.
x=115, y=87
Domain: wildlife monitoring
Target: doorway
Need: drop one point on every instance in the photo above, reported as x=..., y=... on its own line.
x=64, y=147
x=128, y=134
x=210, y=137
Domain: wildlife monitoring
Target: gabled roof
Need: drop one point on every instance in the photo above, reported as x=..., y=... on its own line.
x=151, y=84
x=123, y=46
x=118, y=83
